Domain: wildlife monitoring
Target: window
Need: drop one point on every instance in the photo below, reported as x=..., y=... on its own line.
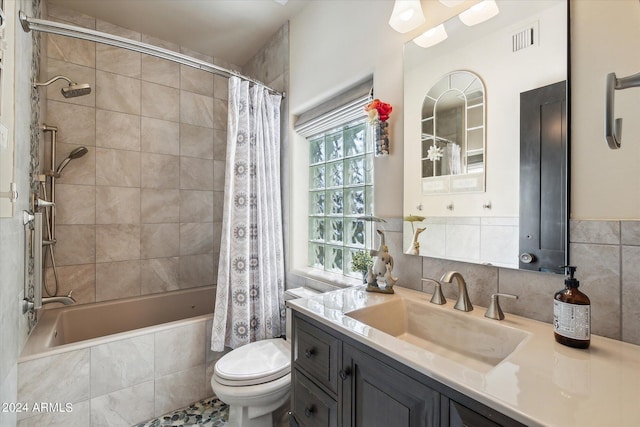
x=341, y=152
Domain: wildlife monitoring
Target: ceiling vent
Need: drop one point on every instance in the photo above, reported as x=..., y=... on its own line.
x=525, y=38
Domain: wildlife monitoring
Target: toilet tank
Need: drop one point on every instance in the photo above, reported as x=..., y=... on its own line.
x=295, y=293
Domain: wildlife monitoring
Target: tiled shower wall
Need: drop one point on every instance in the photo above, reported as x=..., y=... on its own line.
x=141, y=212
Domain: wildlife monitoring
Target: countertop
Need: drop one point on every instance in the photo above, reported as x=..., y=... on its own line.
x=541, y=383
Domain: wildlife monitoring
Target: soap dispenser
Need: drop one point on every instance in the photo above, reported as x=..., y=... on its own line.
x=572, y=314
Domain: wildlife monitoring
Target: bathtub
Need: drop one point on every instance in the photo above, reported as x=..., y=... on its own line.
x=153, y=350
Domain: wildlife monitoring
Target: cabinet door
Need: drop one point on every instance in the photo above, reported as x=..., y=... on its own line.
x=377, y=395
x=310, y=406
x=461, y=416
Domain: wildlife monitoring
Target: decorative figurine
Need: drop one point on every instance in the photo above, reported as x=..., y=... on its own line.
x=415, y=248
x=381, y=270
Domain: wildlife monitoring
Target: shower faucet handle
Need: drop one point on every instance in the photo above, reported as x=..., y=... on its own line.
x=41, y=203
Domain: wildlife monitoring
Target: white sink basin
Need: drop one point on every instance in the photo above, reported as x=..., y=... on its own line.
x=443, y=330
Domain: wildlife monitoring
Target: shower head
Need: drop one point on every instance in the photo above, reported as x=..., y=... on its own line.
x=75, y=154
x=74, y=89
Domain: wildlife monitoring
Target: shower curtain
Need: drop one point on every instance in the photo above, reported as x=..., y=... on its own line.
x=250, y=289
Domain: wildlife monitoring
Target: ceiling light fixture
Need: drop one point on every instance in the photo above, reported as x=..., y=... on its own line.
x=480, y=12
x=431, y=37
x=407, y=15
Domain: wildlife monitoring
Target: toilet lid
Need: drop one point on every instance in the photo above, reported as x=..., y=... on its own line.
x=255, y=363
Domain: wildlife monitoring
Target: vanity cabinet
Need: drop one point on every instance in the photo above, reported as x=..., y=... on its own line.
x=337, y=381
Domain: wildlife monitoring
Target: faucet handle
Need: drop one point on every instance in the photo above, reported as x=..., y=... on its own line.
x=438, y=296
x=494, y=311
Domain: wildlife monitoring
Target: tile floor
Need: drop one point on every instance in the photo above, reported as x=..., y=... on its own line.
x=209, y=412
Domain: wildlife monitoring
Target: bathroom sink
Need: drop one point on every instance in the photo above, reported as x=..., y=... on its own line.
x=462, y=337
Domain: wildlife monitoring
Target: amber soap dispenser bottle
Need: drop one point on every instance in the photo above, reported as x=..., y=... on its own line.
x=572, y=314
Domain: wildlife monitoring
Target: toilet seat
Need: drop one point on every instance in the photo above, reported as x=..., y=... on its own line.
x=255, y=363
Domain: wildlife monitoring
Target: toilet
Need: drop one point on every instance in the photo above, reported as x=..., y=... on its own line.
x=255, y=379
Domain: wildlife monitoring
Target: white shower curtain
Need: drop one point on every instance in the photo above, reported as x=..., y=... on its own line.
x=250, y=294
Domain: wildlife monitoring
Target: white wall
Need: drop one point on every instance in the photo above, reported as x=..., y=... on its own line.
x=605, y=184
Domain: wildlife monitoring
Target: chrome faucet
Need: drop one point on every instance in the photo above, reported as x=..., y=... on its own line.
x=463, y=303
x=66, y=300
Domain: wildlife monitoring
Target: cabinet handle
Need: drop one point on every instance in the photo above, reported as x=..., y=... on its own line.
x=309, y=410
x=344, y=373
x=309, y=352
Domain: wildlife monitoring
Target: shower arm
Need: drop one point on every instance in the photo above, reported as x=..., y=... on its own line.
x=613, y=126
x=51, y=27
x=53, y=79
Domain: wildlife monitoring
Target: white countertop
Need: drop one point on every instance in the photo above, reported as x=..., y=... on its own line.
x=541, y=383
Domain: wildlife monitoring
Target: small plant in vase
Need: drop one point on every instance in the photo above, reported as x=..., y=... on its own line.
x=361, y=261
x=379, y=113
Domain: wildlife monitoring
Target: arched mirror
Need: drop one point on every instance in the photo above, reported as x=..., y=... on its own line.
x=453, y=134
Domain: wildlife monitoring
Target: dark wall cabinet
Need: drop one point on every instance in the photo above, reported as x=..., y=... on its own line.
x=337, y=381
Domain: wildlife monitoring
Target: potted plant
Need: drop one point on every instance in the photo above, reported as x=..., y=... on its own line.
x=361, y=261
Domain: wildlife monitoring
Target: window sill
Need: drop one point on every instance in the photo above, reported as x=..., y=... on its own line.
x=325, y=281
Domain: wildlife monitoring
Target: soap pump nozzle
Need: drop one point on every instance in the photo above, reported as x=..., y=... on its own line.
x=570, y=280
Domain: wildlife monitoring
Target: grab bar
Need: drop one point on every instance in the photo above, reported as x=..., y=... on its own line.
x=612, y=126
x=33, y=252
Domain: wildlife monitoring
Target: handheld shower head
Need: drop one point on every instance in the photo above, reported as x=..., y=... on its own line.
x=74, y=89
x=74, y=154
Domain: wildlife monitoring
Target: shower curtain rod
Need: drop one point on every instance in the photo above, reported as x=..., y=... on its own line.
x=45, y=26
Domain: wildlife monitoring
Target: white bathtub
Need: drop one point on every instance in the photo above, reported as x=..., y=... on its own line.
x=153, y=350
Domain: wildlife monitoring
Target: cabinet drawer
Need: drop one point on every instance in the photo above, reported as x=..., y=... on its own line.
x=312, y=407
x=461, y=416
x=316, y=352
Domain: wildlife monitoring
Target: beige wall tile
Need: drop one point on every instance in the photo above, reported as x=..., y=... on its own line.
x=196, y=81
x=119, y=61
x=76, y=244
x=599, y=275
x=218, y=205
x=117, y=205
x=196, y=141
x=78, y=74
x=116, y=30
x=75, y=204
x=160, y=206
x=117, y=130
x=117, y=242
x=61, y=13
x=196, y=238
x=221, y=87
x=159, y=240
x=81, y=170
x=160, y=275
x=76, y=123
x=179, y=348
x=117, y=280
x=196, y=206
x=117, y=167
x=631, y=294
x=179, y=389
x=196, y=270
x=121, y=364
x=160, y=71
x=160, y=102
x=534, y=290
x=117, y=93
x=123, y=408
x=81, y=279
x=482, y=281
x=78, y=417
x=630, y=231
x=196, y=174
x=160, y=171
x=603, y=232
x=69, y=379
x=196, y=109
x=160, y=136
x=219, y=144
x=220, y=112
x=72, y=50
x=218, y=175
x=197, y=55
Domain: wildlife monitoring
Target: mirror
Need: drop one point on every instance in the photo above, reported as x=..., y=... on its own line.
x=522, y=49
x=453, y=135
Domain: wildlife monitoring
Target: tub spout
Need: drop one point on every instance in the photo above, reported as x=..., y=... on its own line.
x=66, y=300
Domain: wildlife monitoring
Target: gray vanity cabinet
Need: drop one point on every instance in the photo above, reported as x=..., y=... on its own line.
x=376, y=395
x=339, y=382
